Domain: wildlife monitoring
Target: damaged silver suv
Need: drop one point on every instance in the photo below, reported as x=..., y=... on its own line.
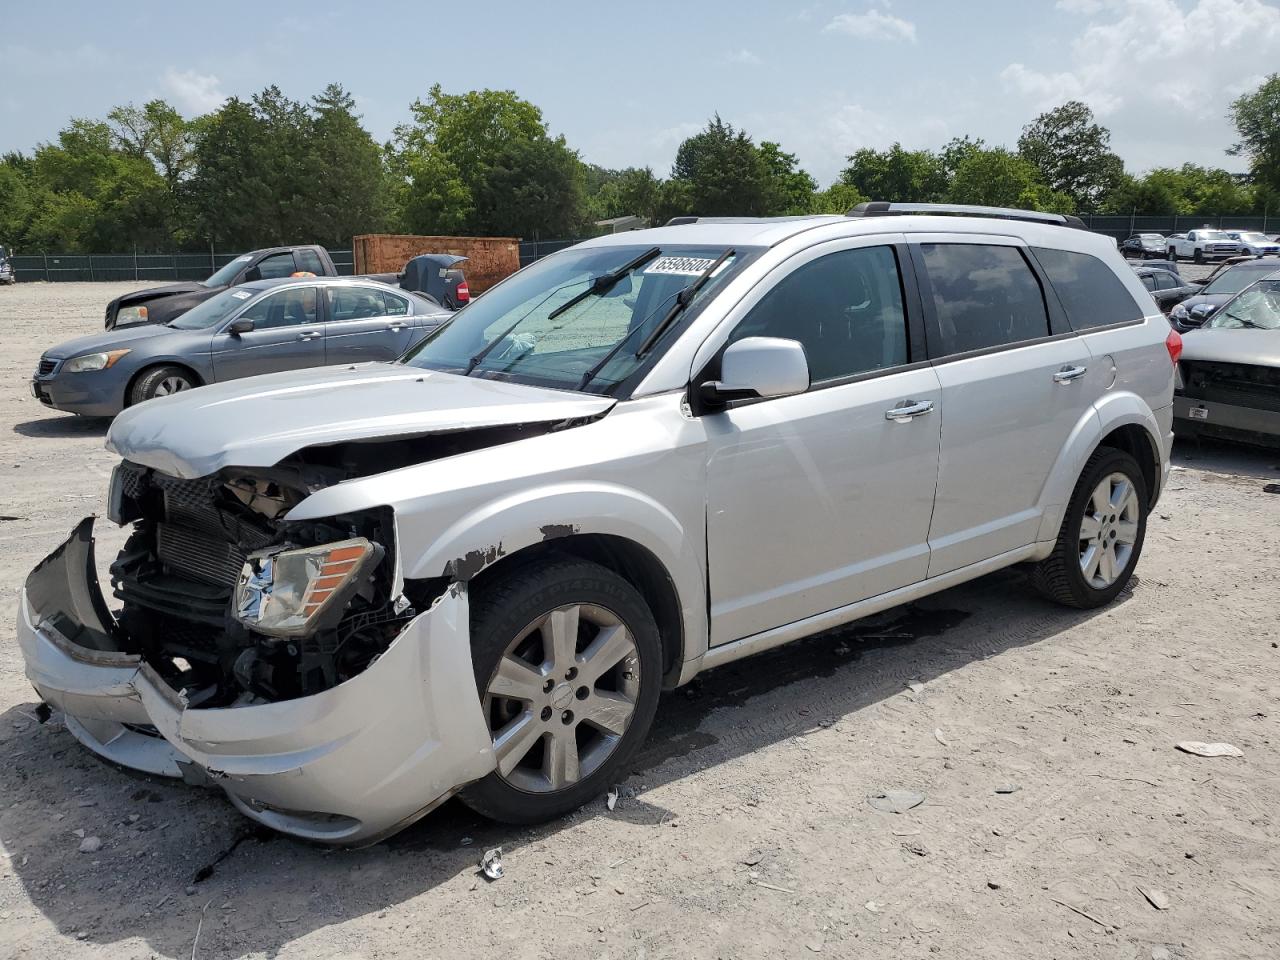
x=349, y=594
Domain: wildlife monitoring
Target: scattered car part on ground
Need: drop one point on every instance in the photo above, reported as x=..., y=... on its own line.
x=473, y=571
x=1201, y=245
x=1221, y=286
x=1230, y=370
x=166, y=303
x=259, y=327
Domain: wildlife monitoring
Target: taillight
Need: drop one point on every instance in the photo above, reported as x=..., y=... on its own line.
x=462, y=292
x=1173, y=343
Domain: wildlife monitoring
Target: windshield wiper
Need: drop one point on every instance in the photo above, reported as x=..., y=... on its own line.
x=683, y=299
x=605, y=282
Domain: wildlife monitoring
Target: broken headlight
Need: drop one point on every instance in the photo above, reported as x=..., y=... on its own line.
x=287, y=593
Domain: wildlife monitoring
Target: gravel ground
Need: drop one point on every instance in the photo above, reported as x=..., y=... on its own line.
x=744, y=829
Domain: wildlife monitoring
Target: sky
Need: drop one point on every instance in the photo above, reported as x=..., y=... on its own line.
x=626, y=82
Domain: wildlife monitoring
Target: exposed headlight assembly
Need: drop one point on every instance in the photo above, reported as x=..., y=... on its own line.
x=93, y=361
x=131, y=315
x=288, y=593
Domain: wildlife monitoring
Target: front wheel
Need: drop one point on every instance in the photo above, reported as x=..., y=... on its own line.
x=568, y=664
x=1199, y=256
x=160, y=382
x=1101, y=536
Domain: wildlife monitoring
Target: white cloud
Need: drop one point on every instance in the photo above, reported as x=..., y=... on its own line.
x=1160, y=73
x=872, y=25
x=192, y=92
x=744, y=57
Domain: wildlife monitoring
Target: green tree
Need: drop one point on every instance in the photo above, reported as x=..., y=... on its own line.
x=346, y=177
x=633, y=192
x=905, y=176
x=838, y=198
x=788, y=190
x=492, y=151
x=1073, y=154
x=1000, y=178
x=1257, y=119
x=1187, y=190
x=723, y=172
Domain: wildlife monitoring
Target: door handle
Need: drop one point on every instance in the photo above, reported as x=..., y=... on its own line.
x=907, y=409
x=309, y=335
x=397, y=326
x=1068, y=374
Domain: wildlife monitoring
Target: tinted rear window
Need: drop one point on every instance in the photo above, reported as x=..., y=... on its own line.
x=1091, y=293
x=985, y=296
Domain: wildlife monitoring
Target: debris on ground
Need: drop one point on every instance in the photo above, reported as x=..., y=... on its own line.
x=1271, y=488
x=611, y=798
x=1008, y=788
x=491, y=863
x=896, y=801
x=915, y=688
x=919, y=849
x=753, y=858
x=1210, y=749
x=1157, y=898
x=937, y=735
x=90, y=845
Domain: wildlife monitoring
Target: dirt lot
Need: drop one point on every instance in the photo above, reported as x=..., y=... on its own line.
x=744, y=830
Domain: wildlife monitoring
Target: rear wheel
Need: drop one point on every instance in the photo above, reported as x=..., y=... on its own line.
x=1173, y=255
x=568, y=664
x=1101, y=536
x=160, y=382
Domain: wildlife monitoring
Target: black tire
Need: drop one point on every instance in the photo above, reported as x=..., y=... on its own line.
x=1198, y=257
x=1173, y=255
x=1059, y=577
x=501, y=612
x=149, y=383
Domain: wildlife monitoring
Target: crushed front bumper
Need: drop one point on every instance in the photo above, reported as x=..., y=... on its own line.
x=348, y=766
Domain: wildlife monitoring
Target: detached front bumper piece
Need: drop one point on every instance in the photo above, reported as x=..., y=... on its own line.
x=348, y=766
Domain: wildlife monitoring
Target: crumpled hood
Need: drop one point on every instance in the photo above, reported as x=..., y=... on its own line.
x=259, y=421
x=107, y=340
x=1259, y=348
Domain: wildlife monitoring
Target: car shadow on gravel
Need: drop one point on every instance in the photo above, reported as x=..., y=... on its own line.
x=169, y=852
x=1219, y=456
x=58, y=427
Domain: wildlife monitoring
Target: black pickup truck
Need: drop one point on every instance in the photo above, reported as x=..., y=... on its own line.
x=437, y=277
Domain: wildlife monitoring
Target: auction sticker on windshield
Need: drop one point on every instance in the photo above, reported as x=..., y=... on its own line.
x=684, y=266
x=241, y=294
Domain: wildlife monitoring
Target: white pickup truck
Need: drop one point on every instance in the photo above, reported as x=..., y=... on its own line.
x=1202, y=245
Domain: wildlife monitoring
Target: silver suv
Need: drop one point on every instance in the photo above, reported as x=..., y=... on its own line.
x=350, y=593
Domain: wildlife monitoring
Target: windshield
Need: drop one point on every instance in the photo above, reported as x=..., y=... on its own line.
x=1212, y=235
x=214, y=310
x=228, y=273
x=1150, y=236
x=1237, y=278
x=554, y=325
x=1258, y=308
x=1253, y=238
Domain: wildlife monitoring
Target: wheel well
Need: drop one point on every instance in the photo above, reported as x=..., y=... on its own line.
x=196, y=379
x=634, y=563
x=1138, y=443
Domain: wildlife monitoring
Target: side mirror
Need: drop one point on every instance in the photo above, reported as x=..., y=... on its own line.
x=240, y=325
x=764, y=367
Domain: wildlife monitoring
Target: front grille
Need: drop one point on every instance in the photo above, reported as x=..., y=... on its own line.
x=46, y=367
x=199, y=555
x=1237, y=384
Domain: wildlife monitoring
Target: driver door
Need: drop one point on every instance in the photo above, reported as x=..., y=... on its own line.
x=287, y=334
x=819, y=500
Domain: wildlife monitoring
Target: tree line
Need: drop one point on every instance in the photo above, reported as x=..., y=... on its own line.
x=272, y=170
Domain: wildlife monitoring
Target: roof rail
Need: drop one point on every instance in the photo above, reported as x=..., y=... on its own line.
x=882, y=208
x=680, y=221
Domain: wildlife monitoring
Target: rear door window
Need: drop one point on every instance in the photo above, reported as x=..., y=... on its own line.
x=355, y=303
x=310, y=261
x=1091, y=293
x=983, y=296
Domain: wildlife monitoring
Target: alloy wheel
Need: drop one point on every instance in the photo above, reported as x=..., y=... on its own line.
x=1108, y=531
x=562, y=696
x=171, y=385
